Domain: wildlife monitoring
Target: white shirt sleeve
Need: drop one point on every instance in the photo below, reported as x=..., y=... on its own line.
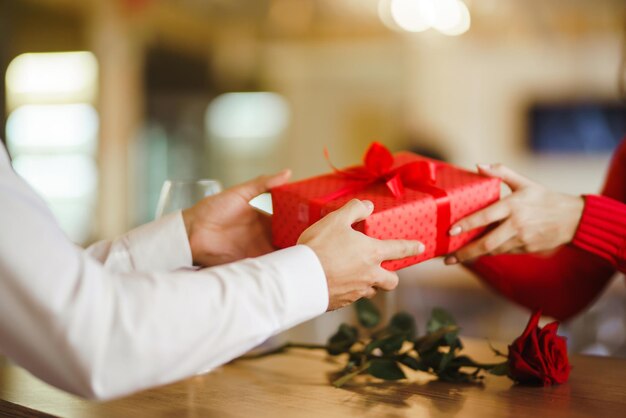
x=161, y=245
x=95, y=333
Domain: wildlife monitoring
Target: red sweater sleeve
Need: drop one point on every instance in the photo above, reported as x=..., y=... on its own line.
x=565, y=282
x=602, y=230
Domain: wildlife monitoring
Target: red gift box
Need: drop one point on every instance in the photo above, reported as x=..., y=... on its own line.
x=414, y=198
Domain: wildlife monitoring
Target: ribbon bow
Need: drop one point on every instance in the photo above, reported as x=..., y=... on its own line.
x=377, y=167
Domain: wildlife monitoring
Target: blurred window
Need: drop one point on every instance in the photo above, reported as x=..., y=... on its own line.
x=576, y=127
x=247, y=123
x=52, y=132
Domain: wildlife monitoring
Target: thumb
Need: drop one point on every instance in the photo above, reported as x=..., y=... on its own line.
x=388, y=280
x=262, y=184
x=511, y=178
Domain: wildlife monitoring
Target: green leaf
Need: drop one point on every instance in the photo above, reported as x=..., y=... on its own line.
x=411, y=362
x=393, y=343
x=356, y=358
x=385, y=369
x=448, y=357
x=462, y=361
x=501, y=369
x=452, y=339
x=439, y=318
x=431, y=359
x=371, y=346
x=404, y=323
x=342, y=340
x=367, y=313
x=388, y=345
x=456, y=376
x=434, y=339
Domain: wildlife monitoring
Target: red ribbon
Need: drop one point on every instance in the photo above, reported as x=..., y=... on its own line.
x=378, y=168
x=378, y=163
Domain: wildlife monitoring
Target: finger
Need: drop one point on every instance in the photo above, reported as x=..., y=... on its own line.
x=511, y=178
x=509, y=247
x=387, y=280
x=396, y=249
x=354, y=211
x=278, y=179
x=494, y=213
x=512, y=246
x=487, y=244
x=369, y=293
x=261, y=184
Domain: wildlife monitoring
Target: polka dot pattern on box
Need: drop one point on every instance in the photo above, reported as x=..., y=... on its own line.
x=411, y=216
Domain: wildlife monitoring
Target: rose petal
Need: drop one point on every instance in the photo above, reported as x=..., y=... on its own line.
x=532, y=326
x=539, y=355
x=533, y=352
x=551, y=328
x=548, y=347
x=521, y=371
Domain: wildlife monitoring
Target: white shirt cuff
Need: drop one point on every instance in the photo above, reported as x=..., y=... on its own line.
x=303, y=280
x=161, y=245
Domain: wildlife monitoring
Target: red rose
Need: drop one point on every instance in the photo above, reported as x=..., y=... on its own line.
x=539, y=356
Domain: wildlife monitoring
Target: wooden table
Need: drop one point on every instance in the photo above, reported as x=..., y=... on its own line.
x=296, y=384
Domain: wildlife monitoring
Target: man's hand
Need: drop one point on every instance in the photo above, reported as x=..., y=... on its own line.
x=351, y=260
x=224, y=228
x=531, y=219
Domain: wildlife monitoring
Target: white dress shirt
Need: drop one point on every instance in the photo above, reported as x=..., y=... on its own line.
x=118, y=317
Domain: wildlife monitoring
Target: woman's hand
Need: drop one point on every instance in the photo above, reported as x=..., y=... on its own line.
x=531, y=219
x=224, y=227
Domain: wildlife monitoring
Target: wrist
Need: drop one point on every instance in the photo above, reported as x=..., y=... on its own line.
x=317, y=254
x=577, y=205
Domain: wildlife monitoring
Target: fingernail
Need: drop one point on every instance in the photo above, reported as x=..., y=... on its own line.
x=451, y=259
x=455, y=230
x=420, y=248
x=484, y=166
x=368, y=204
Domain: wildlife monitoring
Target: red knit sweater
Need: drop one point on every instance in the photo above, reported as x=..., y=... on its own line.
x=569, y=279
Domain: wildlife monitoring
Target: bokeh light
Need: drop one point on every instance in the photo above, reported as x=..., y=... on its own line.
x=463, y=23
x=450, y=17
x=52, y=132
x=408, y=15
x=59, y=77
x=53, y=128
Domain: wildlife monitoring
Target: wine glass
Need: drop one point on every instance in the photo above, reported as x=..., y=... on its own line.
x=181, y=194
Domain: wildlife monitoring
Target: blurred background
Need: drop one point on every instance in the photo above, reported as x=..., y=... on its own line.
x=102, y=100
